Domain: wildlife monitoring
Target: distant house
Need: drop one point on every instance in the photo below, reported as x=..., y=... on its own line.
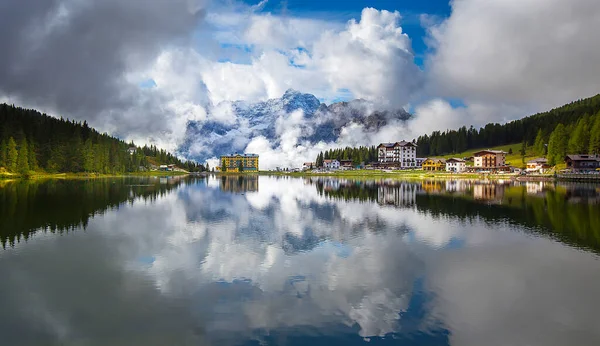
x=433, y=164
x=456, y=165
x=539, y=165
x=346, y=164
x=163, y=168
x=308, y=165
x=131, y=150
x=331, y=164
x=490, y=160
x=419, y=162
x=583, y=163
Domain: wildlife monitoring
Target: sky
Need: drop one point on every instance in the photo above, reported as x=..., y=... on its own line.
x=141, y=70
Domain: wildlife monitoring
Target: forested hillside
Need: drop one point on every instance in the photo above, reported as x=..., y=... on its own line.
x=31, y=141
x=571, y=129
x=581, y=119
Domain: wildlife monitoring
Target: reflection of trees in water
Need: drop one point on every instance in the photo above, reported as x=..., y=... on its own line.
x=64, y=205
x=568, y=212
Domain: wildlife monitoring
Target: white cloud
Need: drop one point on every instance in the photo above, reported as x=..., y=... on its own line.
x=527, y=52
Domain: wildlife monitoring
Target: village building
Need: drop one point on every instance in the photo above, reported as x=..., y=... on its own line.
x=583, y=163
x=539, y=165
x=419, y=162
x=401, y=155
x=492, y=160
x=331, y=164
x=239, y=163
x=456, y=165
x=346, y=164
x=308, y=165
x=433, y=164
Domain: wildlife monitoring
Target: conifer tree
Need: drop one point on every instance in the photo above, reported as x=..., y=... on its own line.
x=595, y=136
x=32, y=158
x=23, y=157
x=557, y=147
x=11, y=155
x=3, y=149
x=539, y=145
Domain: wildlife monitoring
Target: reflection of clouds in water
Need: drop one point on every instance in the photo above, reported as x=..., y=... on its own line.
x=287, y=258
x=517, y=294
x=279, y=233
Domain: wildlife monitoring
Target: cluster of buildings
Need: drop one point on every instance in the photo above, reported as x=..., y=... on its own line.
x=403, y=155
x=236, y=163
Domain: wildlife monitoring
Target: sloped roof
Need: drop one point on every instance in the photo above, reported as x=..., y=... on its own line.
x=584, y=157
x=454, y=159
x=490, y=151
x=538, y=160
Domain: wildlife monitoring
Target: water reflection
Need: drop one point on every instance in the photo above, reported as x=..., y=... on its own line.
x=567, y=211
x=280, y=261
x=28, y=206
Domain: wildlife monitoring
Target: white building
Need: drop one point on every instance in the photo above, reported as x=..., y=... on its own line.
x=456, y=165
x=307, y=165
x=400, y=154
x=331, y=164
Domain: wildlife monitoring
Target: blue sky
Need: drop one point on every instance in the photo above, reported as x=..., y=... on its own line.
x=411, y=11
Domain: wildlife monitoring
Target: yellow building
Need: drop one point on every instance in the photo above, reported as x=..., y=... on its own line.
x=434, y=165
x=239, y=163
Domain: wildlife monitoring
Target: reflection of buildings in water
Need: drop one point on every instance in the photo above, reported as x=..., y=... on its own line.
x=534, y=187
x=456, y=185
x=488, y=192
x=582, y=193
x=239, y=183
x=432, y=186
x=399, y=195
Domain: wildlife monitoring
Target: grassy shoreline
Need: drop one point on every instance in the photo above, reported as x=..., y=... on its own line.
x=408, y=174
x=43, y=175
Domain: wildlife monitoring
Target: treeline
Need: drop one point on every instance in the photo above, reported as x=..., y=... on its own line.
x=357, y=155
x=30, y=206
x=525, y=130
x=31, y=141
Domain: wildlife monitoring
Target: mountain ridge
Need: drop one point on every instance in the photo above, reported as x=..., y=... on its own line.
x=318, y=122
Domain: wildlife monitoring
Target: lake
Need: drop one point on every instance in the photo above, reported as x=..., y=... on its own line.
x=249, y=260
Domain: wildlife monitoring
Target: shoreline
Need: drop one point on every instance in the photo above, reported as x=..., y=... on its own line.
x=38, y=175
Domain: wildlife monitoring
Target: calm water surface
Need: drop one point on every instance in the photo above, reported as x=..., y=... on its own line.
x=281, y=261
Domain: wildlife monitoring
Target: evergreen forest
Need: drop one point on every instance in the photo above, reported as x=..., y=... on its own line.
x=31, y=141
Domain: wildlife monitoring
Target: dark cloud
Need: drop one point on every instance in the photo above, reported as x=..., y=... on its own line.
x=71, y=56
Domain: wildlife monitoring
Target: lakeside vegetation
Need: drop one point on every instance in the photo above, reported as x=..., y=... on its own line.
x=34, y=144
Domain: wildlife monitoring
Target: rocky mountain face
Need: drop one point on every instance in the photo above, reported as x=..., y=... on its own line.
x=296, y=111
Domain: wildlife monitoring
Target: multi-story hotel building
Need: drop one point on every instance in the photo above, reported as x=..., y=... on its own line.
x=490, y=159
x=400, y=154
x=239, y=163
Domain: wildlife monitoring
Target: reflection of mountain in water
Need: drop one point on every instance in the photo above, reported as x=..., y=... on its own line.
x=63, y=205
x=568, y=212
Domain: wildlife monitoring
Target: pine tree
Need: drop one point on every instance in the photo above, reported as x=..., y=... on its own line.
x=88, y=156
x=223, y=166
x=557, y=147
x=11, y=155
x=23, y=157
x=33, y=163
x=580, y=138
x=539, y=145
x=595, y=136
x=3, y=149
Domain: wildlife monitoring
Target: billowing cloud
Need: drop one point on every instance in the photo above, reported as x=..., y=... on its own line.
x=530, y=52
x=71, y=58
